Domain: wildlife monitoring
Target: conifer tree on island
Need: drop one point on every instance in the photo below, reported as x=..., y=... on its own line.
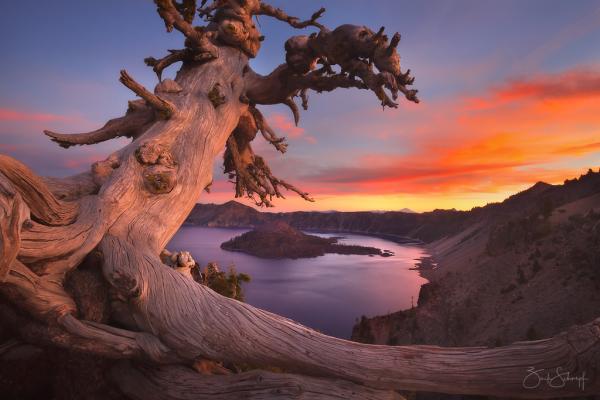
x=106, y=228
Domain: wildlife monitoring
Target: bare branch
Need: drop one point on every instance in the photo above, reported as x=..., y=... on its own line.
x=164, y=108
x=304, y=97
x=197, y=38
x=44, y=206
x=266, y=130
x=205, y=11
x=138, y=118
x=187, y=9
x=284, y=83
x=356, y=49
x=292, y=105
x=174, y=56
x=266, y=9
x=253, y=176
x=158, y=65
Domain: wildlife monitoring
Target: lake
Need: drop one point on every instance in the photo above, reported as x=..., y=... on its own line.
x=327, y=293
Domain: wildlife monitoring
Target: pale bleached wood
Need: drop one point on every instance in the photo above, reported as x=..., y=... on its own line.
x=194, y=320
x=44, y=206
x=136, y=121
x=180, y=383
x=13, y=212
x=72, y=187
x=139, y=196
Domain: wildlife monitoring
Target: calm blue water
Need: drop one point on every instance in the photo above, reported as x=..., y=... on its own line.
x=327, y=293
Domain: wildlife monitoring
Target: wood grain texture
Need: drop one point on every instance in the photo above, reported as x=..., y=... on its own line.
x=129, y=206
x=180, y=383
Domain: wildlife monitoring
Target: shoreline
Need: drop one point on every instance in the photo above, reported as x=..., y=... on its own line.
x=398, y=239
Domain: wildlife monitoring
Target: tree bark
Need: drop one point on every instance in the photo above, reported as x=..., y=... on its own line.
x=180, y=383
x=130, y=205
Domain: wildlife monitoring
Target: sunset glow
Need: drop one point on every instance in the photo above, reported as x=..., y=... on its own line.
x=500, y=110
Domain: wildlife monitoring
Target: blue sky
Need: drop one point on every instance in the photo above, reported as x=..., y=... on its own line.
x=61, y=61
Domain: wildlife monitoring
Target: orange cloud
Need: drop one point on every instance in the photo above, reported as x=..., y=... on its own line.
x=523, y=132
x=459, y=152
x=572, y=83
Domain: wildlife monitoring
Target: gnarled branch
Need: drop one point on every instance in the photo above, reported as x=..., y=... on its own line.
x=197, y=38
x=266, y=9
x=356, y=50
x=163, y=107
x=137, y=120
x=12, y=214
x=253, y=176
x=282, y=84
x=266, y=130
x=44, y=206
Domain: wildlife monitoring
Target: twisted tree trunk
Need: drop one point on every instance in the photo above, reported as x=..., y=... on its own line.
x=129, y=206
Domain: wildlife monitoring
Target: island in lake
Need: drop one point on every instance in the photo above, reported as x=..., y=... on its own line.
x=278, y=239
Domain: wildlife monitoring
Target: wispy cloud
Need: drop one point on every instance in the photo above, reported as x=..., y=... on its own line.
x=285, y=125
x=14, y=115
x=487, y=142
x=580, y=82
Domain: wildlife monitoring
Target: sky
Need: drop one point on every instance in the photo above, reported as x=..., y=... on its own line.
x=510, y=95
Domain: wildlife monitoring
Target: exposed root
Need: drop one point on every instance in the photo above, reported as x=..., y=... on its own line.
x=181, y=383
x=128, y=343
x=44, y=206
x=43, y=297
x=12, y=214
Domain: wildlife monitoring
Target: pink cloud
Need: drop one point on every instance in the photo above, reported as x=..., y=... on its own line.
x=82, y=162
x=283, y=125
x=310, y=139
x=515, y=134
x=12, y=115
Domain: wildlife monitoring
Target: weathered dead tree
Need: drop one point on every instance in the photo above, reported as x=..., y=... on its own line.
x=126, y=208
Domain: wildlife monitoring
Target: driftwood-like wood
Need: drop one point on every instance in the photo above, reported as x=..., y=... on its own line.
x=136, y=121
x=129, y=206
x=180, y=383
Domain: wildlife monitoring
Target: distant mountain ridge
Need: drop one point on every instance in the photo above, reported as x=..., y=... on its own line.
x=521, y=269
x=427, y=227
x=524, y=269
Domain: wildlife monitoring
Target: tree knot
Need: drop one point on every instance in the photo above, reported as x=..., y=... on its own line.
x=159, y=173
x=216, y=95
x=102, y=170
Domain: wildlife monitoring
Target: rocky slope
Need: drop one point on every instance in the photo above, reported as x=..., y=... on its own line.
x=277, y=239
x=228, y=215
x=523, y=269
